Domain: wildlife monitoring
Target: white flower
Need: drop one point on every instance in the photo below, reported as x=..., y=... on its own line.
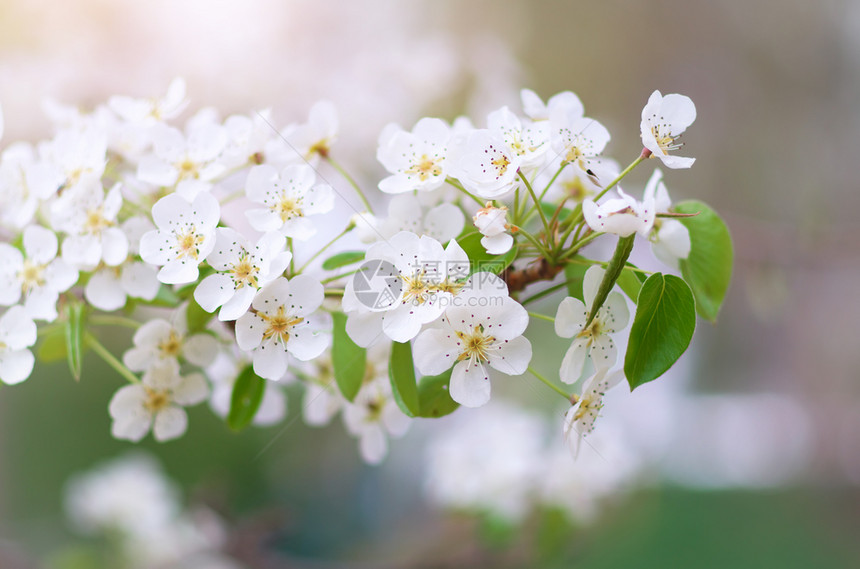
x=109, y=287
x=579, y=419
x=565, y=102
x=313, y=138
x=421, y=278
x=594, y=341
x=158, y=340
x=242, y=271
x=188, y=163
x=156, y=402
x=373, y=415
x=670, y=239
x=278, y=324
x=153, y=110
x=530, y=141
x=622, y=216
x=38, y=275
x=489, y=460
x=246, y=139
x=406, y=213
x=289, y=198
x=578, y=140
x=415, y=159
x=17, y=333
x=664, y=119
x=223, y=373
x=491, y=222
x=321, y=401
x=130, y=494
x=484, y=164
x=470, y=338
x=77, y=155
x=89, y=218
x=25, y=181
x=185, y=235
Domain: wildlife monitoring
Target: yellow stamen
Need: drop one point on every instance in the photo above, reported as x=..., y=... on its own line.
x=425, y=167
x=279, y=325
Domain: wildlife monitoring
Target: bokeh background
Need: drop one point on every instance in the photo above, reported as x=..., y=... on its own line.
x=754, y=438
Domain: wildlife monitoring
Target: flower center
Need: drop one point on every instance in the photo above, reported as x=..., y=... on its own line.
x=96, y=221
x=501, y=165
x=475, y=346
x=156, y=400
x=588, y=405
x=415, y=289
x=288, y=208
x=665, y=140
x=576, y=190
x=594, y=330
x=279, y=325
x=188, y=242
x=374, y=410
x=188, y=170
x=32, y=276
x=171, y=347
x=244, y=272
x=425, y=167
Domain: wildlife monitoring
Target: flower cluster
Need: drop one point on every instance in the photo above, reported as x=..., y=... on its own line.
x=207, y=237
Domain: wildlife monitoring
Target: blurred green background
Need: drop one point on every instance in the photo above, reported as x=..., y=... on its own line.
x=776, y=85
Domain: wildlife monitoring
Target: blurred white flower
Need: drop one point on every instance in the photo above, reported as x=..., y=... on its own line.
x=156, y=402
x=416, y=160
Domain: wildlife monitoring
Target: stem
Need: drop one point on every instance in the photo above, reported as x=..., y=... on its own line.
x=234, y=196
x=540, y=316
x=340, y=276
x=334, y=292
x=614, y=182
x=350, y=180
x=537, y=202
x=552, y=180
x=109, y=358
x=549, y=384
x=544, y=253
x=292, y=257
x=543, y=293
x=580, y=244
x=108, y=320
x=326, y=246
x=456, y=183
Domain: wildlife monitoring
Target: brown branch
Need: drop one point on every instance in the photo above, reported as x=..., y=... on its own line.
x=540, y=270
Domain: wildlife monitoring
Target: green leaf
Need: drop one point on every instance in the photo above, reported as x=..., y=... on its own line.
x=165, y=297
x=574, y=274
x=480, y=260
x=662, y=329
x=401, y=371
x=348, y=359
x=631, y=281
x=708, y=268
x=52, y=346
x=549, y=210
x=433, y=397
x=613, y=271
x=247, y=395
x=196, y=317
x=343, y=259
x=74, y=329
